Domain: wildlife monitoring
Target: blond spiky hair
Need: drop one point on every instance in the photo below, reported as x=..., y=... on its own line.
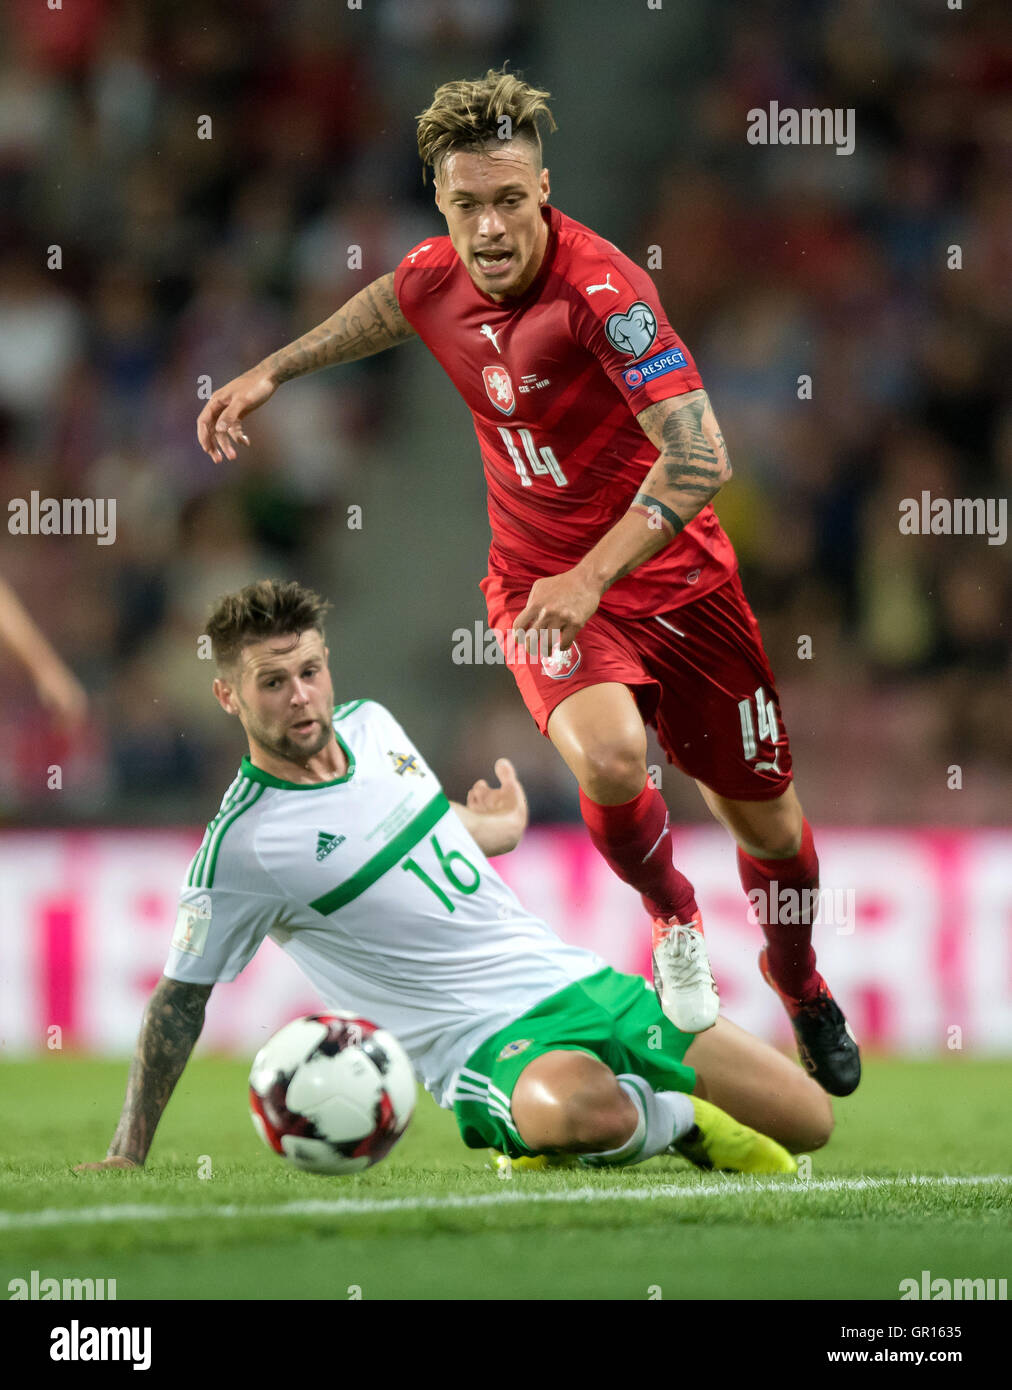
x=469, y=114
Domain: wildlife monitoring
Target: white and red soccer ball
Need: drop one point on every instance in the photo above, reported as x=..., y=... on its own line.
x=331, y=1092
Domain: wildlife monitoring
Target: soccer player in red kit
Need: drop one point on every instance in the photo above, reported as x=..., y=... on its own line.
x=601, y=453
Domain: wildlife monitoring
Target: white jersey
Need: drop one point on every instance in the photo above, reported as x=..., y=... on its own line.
x=373, y=886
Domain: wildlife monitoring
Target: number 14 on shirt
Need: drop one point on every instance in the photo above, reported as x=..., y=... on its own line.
x=541, y=461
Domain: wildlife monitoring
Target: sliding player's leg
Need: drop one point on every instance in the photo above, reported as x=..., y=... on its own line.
x=596, y=1070
x=771, y=1095
x=568, y=1102
x=760, y=1087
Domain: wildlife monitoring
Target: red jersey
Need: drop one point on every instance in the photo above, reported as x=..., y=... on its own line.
x=554, y=379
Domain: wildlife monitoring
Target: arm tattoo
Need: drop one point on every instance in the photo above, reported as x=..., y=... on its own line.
x=693, y=464
x=172, y=1024
x=688, y=454
x=368, y=323
x=656, y=507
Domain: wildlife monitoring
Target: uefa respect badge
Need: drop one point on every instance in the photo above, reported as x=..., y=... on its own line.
x=671, y=360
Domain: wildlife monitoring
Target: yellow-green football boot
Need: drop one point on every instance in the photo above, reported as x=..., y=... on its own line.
x=716, y=1141
x=506, y=1166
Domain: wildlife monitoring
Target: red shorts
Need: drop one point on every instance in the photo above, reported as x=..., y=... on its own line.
x=700, y=677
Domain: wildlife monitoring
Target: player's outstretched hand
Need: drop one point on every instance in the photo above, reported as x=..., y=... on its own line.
x=115, y=1162
x=219, y=423
x=506, y=804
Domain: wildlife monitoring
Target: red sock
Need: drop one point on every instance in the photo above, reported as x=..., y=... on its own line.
x=786, y=917
x=635, y=839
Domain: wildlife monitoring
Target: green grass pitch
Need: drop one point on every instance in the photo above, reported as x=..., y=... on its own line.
x=435, y=1221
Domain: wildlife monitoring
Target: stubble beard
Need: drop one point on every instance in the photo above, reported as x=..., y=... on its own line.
x=282, y=746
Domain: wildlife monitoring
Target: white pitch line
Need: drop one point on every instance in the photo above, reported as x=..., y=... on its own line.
x=509, y=1196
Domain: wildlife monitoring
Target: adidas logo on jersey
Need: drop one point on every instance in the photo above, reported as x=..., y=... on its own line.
x=325, y=843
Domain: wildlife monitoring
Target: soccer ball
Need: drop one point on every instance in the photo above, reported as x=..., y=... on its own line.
x=331, y=1092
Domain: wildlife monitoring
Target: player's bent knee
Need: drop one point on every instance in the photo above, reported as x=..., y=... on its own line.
x=764, y=829
x=596, y=1123
x=784, y=845
x=570, y=1102
x=778, y=837
x=613, y=772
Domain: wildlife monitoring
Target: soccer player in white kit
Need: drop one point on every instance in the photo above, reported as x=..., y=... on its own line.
x=337, y=840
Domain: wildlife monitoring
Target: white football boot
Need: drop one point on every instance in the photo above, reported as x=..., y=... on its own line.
x=682, y=975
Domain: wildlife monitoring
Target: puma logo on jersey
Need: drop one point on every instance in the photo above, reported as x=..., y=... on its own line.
x=593, y=289
x=326, y=843
x=487, y=333
x=418, y=252
x=769, y=767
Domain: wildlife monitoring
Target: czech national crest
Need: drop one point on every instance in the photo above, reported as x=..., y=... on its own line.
x=499, y=386
x=562, y=663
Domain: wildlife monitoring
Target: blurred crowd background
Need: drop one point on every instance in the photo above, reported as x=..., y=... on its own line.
x=185, y=259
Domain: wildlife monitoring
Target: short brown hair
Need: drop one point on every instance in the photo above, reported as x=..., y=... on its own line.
x=468, y=115
x=269, y=608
